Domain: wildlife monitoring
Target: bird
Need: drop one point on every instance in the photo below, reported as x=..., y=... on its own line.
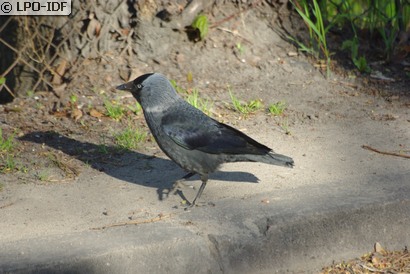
x=196, y=142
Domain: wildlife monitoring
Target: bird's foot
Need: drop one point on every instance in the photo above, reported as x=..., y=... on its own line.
x=180, y=184
x=187, y=205
x=176, y=188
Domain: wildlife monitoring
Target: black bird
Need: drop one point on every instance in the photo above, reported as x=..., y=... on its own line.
x=193, y=140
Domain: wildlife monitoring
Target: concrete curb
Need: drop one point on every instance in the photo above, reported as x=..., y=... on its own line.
x=235, y=236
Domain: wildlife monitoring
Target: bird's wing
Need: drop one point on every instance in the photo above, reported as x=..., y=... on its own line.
x=208, y=135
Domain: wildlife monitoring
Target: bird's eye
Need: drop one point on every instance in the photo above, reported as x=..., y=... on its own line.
x=139, y=86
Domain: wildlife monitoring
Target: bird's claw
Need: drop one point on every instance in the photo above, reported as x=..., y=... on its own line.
x=177, y=186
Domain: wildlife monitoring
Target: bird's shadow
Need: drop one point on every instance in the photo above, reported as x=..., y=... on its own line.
x=128, y=165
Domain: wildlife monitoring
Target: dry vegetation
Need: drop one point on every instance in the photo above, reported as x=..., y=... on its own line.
x=378, y=261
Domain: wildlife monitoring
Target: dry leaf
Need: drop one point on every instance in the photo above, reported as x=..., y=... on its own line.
x=94, y=27
x=60, y=113
x=375, y=261
x=95, y=113
x=379, y=249
x=60, y=70
x=76, y=114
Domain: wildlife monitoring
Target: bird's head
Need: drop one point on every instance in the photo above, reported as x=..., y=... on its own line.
x=151, y=89
x=135, y=86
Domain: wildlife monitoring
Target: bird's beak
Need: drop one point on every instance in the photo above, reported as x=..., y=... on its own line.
x=127, y=86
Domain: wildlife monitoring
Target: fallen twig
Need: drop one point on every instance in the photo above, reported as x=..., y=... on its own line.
x=350, y=85
x=372, y=269
x=6, y=205
x=136, y=222
x=386, y=152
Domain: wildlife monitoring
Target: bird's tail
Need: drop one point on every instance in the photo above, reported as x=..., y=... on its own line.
x=280, y=160
x=273, y=159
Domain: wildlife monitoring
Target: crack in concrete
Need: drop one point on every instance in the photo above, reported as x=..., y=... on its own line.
x=215, y=252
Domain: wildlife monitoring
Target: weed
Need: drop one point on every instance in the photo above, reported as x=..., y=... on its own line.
x=317, y=30
x=23, y=169
x=201, y=104
x=73, y=99
x=389, y=36
x=193, y=98
x=114, y=111
x=277, y=109
x=8, y=163
x=245, y=108
x=189, y=77
x=179, y=89
x=254, y=105
x=359, y=62
x=30, y=93
x=201, y=24
x=130, y=138
x=136, y=108
x=43, y=176
x=103, y=149
x=285, y=127
x=385, y=18
x=240, y=48
x=6, y=144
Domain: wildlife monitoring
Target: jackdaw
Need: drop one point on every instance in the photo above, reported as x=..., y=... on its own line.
x=193, y=140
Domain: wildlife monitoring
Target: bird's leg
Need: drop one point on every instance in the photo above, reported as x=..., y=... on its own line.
x=177, y=184
x=204, y=179
x=181, y=181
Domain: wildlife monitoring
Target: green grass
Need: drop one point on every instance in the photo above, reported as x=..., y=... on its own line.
x=136, y=108
x=179, y=89
x=240, y=48
x=114, y=110
x=196, y=101
x=8, y=163
x=247, y=107
x=312, y=16
x=7, y=158
x=30, y=93
x=374, y=26
x=353, y=46
x=6, y=144
x=130, y=138
x=73, y=99
x=193, y=97
x=102, y=148
x=201, y=24
x=277, y=109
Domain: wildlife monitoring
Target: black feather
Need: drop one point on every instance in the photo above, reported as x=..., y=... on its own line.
x=208, y=135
